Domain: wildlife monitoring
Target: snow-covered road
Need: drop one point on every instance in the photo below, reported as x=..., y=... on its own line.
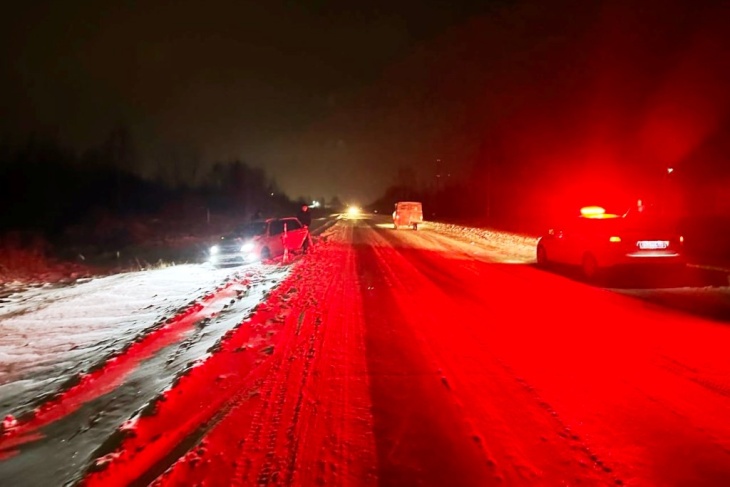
x=77, y=361
x=555, y=382
x=437, y=357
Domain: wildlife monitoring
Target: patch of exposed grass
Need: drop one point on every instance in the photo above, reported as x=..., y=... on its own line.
x=27, y=259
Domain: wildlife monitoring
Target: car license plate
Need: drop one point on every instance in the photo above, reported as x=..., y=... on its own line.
x=653, y=244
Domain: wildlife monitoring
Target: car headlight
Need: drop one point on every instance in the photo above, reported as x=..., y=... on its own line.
x=247, y=247
x=214, y=250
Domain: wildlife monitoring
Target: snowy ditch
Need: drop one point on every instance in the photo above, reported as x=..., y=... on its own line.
x=67, y=353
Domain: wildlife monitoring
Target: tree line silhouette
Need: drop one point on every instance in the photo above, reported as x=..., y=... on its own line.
x=45, y=188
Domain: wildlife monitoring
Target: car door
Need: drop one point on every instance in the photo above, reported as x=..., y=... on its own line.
x=575, y=241
x=295, y=233
x=567, y=241
x=557, y=242
x=274, y=240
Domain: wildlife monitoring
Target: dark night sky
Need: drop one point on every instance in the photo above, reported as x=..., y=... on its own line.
x=225, y=78
x=331, y=98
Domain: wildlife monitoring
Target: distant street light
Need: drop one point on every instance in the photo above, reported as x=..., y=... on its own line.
x=667, y=196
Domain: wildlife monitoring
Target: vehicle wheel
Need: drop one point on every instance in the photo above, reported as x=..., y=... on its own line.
x=415, y=226
x=265, y=253
x=541, y=256
x=590, y=267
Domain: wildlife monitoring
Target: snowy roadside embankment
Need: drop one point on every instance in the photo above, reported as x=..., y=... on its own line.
x=701, y=290
x=517, y=247
x=77, y=362
x=49, y=334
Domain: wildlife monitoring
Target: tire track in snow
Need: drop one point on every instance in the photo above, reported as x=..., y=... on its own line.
x=562, y=427
x=307, y=422
x=187, y=410
x=109, y=373
x=262, y=463
x=335, y=441
x=721, y=387
x=284, y=419
x=415, y=269
x=604, y=347
x=279, y=418
x=433, y=445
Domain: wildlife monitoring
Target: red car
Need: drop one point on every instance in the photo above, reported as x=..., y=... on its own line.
x=597, y=241
x=260, y=240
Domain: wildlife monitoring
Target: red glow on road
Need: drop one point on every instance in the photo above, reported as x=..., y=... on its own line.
x=191, y=403
x=114, y=371
x=399, y=358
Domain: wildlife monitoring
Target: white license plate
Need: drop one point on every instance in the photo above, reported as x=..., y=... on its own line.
x=653, y=244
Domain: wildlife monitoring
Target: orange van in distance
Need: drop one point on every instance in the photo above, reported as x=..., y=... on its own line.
x=407, y=214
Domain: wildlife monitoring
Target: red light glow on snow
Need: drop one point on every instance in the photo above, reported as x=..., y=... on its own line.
x=114, y=372
x=232, y=372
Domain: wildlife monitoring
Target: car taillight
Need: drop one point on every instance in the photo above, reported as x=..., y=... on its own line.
x=681, y=239
x=614, y=239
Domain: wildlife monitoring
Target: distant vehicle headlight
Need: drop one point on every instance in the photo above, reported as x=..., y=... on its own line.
x=353, y=210
x=247, y=247
x=214, y=250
